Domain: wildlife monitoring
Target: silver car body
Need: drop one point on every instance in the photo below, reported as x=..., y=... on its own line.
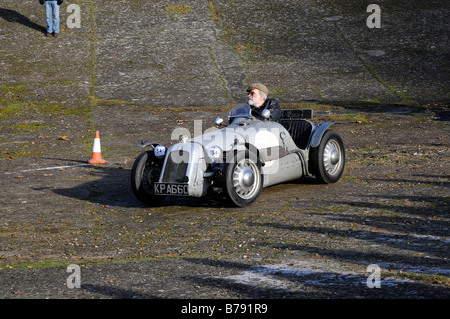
x=191, y=167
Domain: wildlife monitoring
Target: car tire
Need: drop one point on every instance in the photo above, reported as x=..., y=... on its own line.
x=243, y=179
x=145, y=172
x=327, y=161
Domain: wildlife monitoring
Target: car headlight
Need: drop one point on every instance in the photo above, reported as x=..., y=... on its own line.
x=160, y=151
x=215, y=152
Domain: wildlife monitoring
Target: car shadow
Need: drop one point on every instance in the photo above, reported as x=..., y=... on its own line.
x=111, y=186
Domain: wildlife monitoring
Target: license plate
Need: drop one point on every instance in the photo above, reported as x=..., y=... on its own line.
x=173, y=189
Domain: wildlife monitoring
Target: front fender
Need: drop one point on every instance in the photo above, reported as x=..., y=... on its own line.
x=318, y=133
x=144, y=143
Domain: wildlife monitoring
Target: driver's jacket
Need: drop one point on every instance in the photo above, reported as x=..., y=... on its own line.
x=274, y=108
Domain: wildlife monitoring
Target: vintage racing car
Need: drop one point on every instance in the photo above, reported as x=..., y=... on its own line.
x=240, y=159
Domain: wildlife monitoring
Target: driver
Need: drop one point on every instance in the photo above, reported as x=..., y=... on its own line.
x=258, y=101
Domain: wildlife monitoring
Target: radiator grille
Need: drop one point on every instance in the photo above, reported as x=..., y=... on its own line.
x=176, y=167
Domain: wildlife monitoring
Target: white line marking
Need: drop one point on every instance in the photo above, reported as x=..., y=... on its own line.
x=47, y=168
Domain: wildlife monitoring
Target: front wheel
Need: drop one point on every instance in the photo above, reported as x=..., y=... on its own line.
x=328, y=159
x=145, y=172
x=243, y=179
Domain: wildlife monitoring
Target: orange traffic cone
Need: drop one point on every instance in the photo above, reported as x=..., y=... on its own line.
x=96, y=151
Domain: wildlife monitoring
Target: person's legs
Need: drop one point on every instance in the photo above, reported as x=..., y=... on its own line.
x=55, y=17
x=49, y=13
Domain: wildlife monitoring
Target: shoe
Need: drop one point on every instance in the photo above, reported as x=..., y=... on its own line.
x=47, y=34
x=55, y=34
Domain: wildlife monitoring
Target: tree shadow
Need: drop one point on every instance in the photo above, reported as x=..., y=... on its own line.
x=115, y=292
x=408, y=240
x=16, y=17
x=439, y=107
x=260, y=281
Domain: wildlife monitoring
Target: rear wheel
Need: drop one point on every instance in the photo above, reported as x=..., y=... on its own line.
x=243, y=179
x=328, y=159
x=145, y=172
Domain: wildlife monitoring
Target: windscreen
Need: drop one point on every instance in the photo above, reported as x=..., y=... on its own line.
x=240, y=110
